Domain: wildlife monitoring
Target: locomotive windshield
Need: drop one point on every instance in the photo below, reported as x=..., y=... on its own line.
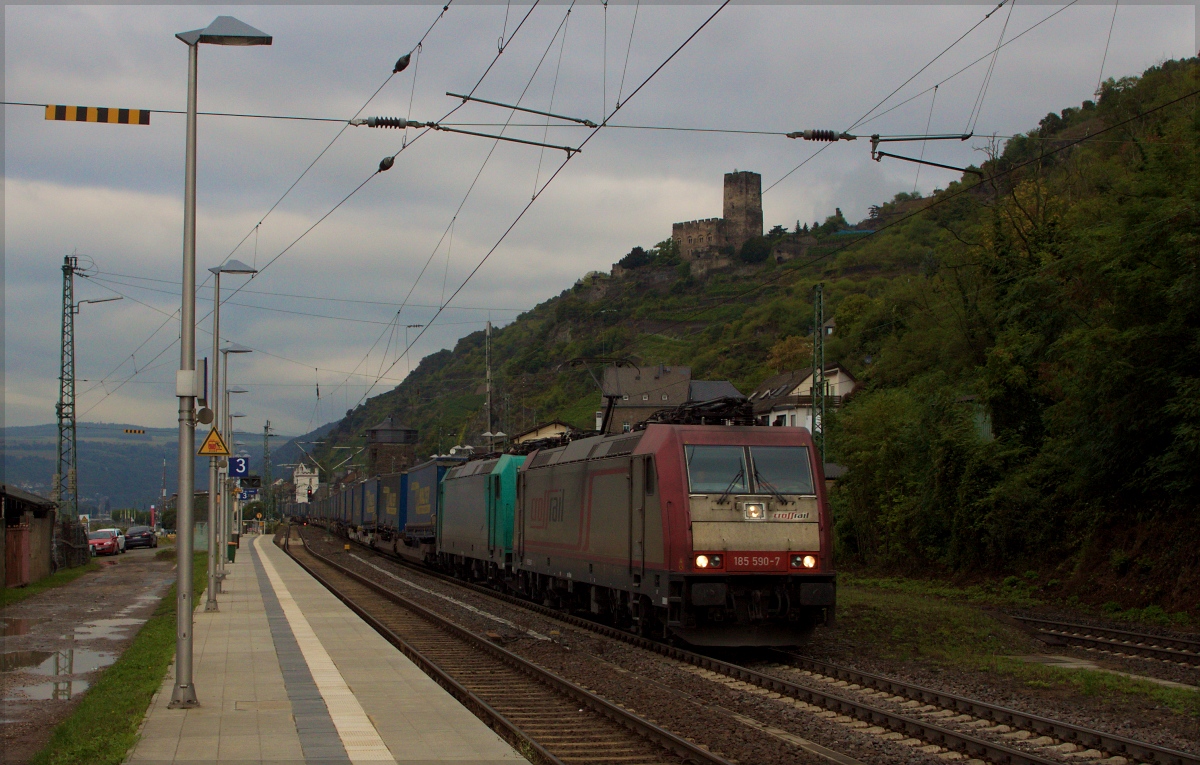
x=782, y=469
x=716, y=469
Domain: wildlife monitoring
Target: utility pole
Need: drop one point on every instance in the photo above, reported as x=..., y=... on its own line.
x=818, y=374
x=266, y=470
x=487, y=361
x=66, y=479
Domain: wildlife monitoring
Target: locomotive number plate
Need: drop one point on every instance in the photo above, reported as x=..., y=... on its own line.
x=768, y=561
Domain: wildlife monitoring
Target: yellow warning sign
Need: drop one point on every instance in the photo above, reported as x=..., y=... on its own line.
x=214, y=445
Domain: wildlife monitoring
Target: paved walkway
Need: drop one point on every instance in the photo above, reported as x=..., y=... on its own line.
x=286, y=673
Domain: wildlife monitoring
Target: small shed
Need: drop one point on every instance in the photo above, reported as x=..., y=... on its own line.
x=28, y=536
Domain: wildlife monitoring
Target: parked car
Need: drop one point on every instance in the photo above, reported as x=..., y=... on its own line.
x=140, y=536
x=120, y=535
x=104, y=542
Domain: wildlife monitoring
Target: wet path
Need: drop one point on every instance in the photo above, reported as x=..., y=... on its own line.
x=55, y=644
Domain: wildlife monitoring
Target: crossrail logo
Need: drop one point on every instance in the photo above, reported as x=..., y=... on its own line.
x=546, y=509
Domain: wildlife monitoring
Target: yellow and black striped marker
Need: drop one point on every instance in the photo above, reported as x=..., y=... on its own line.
x=135, y=431
x=98, y=114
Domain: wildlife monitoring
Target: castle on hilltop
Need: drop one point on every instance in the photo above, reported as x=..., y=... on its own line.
x=707, y=241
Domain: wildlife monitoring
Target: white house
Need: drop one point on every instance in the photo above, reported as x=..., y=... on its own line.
x=786, y=399
x=305, y=479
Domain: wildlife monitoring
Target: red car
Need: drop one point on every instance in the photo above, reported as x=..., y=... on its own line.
x=104, y=542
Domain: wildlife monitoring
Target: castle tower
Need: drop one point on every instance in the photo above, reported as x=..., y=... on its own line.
x=743, y=206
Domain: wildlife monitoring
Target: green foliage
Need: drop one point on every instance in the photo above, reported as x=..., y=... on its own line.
x=755, y=250
x=1061, y=300
x=1028, y=351
x=104, y=726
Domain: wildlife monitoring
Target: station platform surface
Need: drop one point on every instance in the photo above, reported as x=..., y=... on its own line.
x=286, y=673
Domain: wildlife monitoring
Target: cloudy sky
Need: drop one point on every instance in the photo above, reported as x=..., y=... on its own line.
x=113, y=194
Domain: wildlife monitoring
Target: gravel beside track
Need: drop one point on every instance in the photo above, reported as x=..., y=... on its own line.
x=1054, y=743
x=742, y=721
x=557, y=726
x=1117, y=641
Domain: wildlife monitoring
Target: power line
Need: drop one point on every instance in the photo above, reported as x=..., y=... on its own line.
x=946, y=197
x=550, y=180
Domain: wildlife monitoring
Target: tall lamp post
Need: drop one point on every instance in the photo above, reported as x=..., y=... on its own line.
x=225, y=30
x=215, y=569
x=225, y=426
x=235, y=484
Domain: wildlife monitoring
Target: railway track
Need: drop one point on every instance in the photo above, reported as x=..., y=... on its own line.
x=1178, y=650
x=889, y=707
x=537, y=711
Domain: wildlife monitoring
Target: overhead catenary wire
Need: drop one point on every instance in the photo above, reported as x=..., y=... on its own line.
x=1107, y=42
x=550, y=180
x=977, y=109
x=499, y=52
x=938, y=201
x=869, y=116
x=255, y=229
x=928, y=122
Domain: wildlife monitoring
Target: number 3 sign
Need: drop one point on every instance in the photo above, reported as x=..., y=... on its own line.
x=239, y=467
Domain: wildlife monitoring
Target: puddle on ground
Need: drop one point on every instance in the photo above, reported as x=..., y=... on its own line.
x=60, y=690
x=72, y=661
x=22, y=659
x=11, y=626
x=112, y=629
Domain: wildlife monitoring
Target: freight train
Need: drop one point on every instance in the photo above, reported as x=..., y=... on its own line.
x=716, y=535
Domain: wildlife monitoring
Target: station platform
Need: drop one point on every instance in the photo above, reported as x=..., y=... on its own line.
x=286, y=673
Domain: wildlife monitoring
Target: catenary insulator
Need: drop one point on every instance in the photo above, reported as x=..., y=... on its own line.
x=386, y=163
x=820, y=135
x=387, y=122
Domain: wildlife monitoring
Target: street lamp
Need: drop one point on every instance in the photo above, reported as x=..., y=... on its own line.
x=216, y=574
x=232, y=509
x=225, y=30
x=226, y=428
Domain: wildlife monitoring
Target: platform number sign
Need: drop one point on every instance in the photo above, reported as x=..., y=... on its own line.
x=239, y=467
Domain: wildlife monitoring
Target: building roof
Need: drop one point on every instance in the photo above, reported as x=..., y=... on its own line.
x=631, y=383
x=711, y=390
x=541, y=426
x=774, y=390
x=389, y=424
x=29, y=498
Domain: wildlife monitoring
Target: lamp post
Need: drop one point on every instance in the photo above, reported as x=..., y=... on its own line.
x=225, y=30
x=216, y=559
x=228, y=522
x=224, y=426
x=216, y=568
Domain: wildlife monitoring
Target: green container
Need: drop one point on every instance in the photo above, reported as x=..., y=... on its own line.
x=232, y=551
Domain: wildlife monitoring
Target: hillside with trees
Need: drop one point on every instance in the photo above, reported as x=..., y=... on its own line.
x=1028, y=344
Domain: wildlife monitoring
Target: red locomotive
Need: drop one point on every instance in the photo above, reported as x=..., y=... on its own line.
x=716, y=534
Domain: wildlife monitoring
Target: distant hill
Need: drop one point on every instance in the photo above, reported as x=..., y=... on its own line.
x=1026, y=340
x=116, y=469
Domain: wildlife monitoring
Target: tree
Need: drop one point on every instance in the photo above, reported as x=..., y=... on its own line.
x=755, y=250
x=777, y=232
x=790, y=353
x=636, y=258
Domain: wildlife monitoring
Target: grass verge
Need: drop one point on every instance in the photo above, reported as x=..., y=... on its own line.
x=11, y=595
x=906, y=620
x=104, y=726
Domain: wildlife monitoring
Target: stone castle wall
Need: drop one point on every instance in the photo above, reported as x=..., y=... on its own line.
x=743, y=206
x=696, y=236
x=742, y=220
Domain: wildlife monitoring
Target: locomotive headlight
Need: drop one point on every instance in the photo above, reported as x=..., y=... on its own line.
x=714, y=561
x=755, y=511
x=702, y=561
x=804, y=561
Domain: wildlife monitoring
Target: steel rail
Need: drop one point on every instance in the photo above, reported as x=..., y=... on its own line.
x=934, y=734
x=1175, y=649
x=1077, y=734
x=672, y=743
